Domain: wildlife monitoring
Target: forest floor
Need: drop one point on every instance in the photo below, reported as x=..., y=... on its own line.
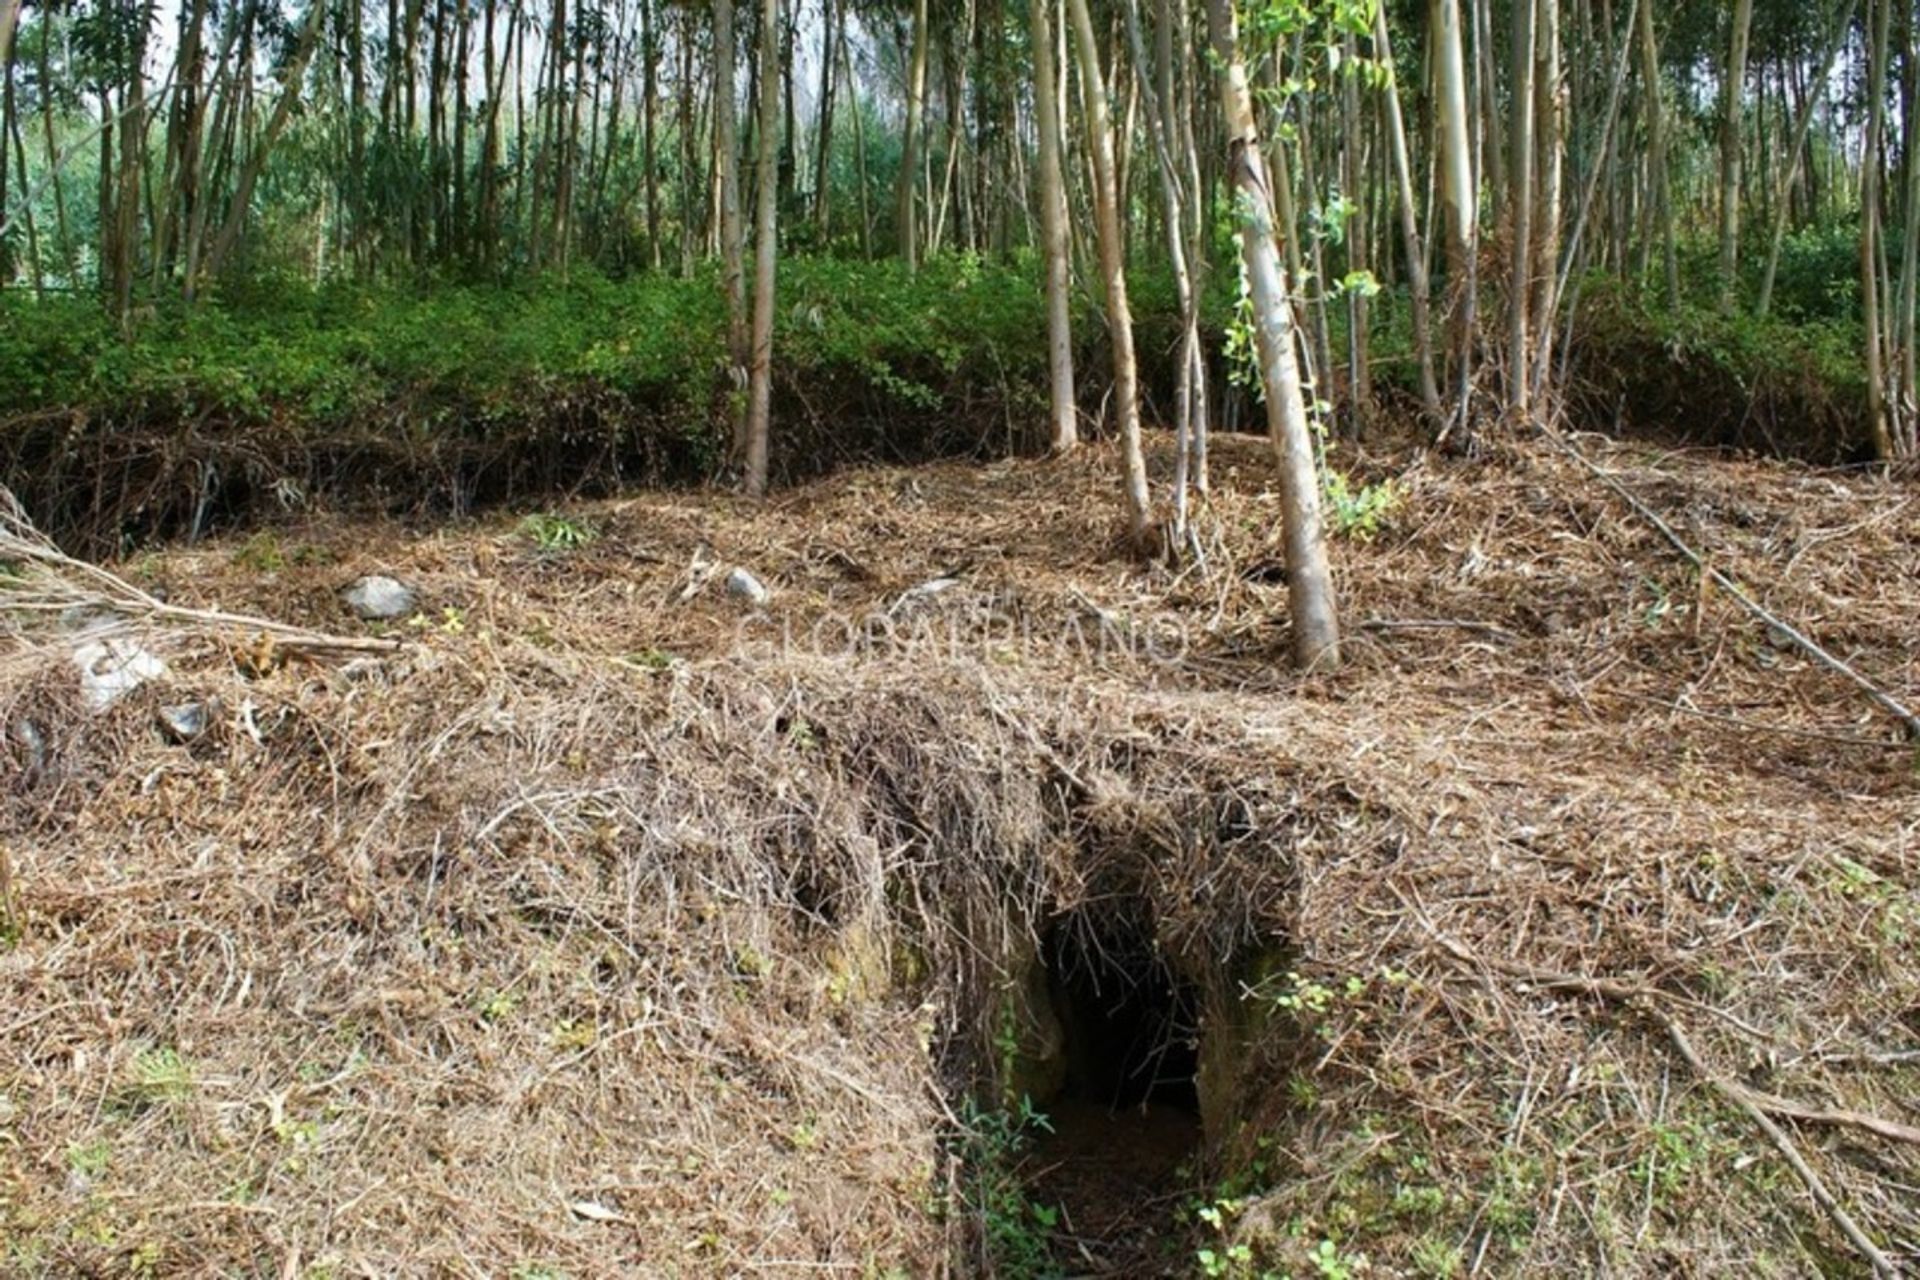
x=615, y=923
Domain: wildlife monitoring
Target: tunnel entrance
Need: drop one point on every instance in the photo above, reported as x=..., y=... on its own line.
x=1126, y=1120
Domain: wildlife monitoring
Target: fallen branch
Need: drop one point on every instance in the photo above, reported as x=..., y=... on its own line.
x=67, y=583
x=1439, y=624
x=1754, y=1104
x=1816, y=1187
x=1800, y=640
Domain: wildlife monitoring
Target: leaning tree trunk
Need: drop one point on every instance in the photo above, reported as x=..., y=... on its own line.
x=1796, y=147
x=766, y=252
x=1316, y=627
x=1053, y=223
x=243, y=190
x=1113, y=268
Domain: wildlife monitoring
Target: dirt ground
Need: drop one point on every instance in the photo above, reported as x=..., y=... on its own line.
x=617, y=924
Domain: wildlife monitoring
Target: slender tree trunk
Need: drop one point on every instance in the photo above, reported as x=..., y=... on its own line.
x=1796, y=148
x=649, y=113
x=1907, y=433
x=830, y=34
x=486, y=230
x=187, y=70
x=1880, y=14
x=1316, y=627
x=1053, y=223
x=69, y=251
x=789, y=176
x=1731, y=111
x=1173, y=204
x=1354, y=188
x=859, y=150
x=357, y=213
x=1550, y=137
x=1418, y=286
x=1662, y=178
x=1520, y=208
x=37, y=273
x=457, y=220
x=1560, y=268
x=905, y=222
x=1199, y=408
x=1462, y=201
x=1106, y=203
x=9, y=16
x=133, y=132
x=689, y=177
x=563, y=197
x=250, y=172
x=766, y=253
x=732, y=232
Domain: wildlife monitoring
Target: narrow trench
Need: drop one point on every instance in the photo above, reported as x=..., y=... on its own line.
x=1126, y=1122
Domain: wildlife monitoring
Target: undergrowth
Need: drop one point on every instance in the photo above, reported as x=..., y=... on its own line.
x=277, y=394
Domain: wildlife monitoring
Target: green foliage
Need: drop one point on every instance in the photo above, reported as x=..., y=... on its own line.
x=1785, y=384
x=556, y=533
x=551, y=382
x=1017, y=1229
x=1358, y=513
x=161, y=1075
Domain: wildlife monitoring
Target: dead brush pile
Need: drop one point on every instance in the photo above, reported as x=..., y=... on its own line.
x=615, y=926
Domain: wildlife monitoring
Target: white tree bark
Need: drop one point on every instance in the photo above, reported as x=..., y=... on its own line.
x=1316, y=627
x=1731, y=114
x=1462, y=200
x=1053, y=230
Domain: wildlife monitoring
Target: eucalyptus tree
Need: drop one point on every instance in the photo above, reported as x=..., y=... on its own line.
x=1056, y=255
x=1113, y=272
x=1461, y=197
x=766, y=252
x=1310, y=597
x=906, y=189
x=1732, y=111
x=726, y=148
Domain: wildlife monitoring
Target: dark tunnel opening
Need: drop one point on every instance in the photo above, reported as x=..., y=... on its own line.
x=1132, y=1029
x=1125, y=1125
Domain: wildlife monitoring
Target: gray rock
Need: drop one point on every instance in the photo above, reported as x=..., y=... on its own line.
x=32, y=744
x=112, y=668
x=744, y=586
x=378, y=598
x=82, y=618
x=183, y=722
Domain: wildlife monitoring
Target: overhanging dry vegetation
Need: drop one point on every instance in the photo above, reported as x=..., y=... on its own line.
x=593, y=932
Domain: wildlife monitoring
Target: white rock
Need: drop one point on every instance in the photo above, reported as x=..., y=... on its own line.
x=378, y=598
x=110, y=669
x=185, y=721
x=745, y=586
x=924, y=592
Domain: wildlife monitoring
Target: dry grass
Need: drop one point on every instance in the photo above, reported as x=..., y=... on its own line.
x=601, y=932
